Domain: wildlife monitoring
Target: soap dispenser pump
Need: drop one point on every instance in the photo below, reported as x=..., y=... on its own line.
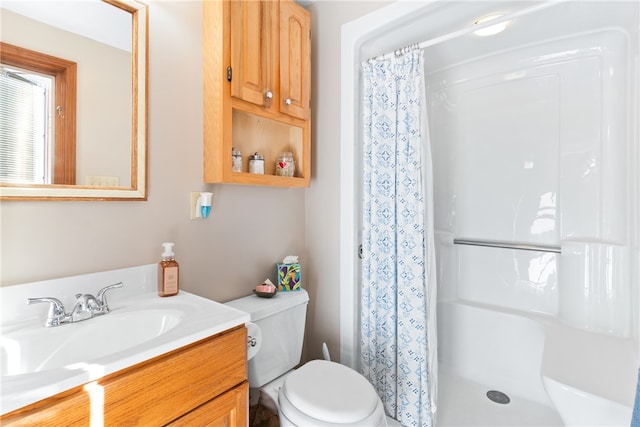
x=168, y=274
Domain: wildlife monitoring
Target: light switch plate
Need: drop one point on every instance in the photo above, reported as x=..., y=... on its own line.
x=194, y=202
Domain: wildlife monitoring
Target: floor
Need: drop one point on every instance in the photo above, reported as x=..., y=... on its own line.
x=261, y=416
x=456, y=393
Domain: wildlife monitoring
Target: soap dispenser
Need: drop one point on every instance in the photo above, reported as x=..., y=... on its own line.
x=168, y=274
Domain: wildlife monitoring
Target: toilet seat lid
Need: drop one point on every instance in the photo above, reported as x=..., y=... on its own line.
x=330, y=392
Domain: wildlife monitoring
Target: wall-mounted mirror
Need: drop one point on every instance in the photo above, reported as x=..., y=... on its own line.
x=73, y=99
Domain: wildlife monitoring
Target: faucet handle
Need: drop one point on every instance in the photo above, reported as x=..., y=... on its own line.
x=102, y=297
x=56, y=309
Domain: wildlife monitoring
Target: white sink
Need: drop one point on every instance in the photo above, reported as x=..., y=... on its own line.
x=29, y=347
x=37, y=361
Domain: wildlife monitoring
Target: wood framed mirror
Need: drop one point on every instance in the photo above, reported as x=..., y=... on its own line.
x=84, y=135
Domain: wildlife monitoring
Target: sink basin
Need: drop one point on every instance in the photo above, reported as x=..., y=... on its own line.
x=37, y=362
x=28, y=348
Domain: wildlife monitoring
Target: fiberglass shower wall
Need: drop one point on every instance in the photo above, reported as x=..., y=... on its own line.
x=534, y=133
x=534, y=137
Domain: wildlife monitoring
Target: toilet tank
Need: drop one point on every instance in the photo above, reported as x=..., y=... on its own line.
x=281, y=320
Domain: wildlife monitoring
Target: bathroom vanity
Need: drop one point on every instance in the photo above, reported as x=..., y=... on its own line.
x=178, y=360
x=201, y=382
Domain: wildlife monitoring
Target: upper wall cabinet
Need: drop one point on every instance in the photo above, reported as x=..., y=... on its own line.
x=257, y=73
x=270, y=55
x=295, y=60
x=253, y=52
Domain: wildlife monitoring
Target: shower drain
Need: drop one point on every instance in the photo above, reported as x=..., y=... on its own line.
x=498, y=397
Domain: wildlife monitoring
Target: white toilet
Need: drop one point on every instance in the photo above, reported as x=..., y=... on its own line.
x=319, y=393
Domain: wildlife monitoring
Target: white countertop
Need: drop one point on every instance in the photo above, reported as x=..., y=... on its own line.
x=200, y=318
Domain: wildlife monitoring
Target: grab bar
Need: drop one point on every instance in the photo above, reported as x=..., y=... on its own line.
x=507, y=245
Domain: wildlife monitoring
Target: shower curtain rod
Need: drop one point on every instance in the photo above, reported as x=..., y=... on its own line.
x=465, y=31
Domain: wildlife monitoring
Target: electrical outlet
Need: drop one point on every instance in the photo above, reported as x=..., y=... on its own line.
x=92, y=180
x=110, y=181
x=102, y=181
x=195, y=195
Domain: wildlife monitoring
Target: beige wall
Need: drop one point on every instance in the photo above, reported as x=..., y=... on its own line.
x=323, y=198
x=250, y=228
x=222, y=257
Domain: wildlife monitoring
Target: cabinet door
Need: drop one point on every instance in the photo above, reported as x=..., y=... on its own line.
x=228, y=410
x=71, y=410
x=253, y=43
x=295, y=59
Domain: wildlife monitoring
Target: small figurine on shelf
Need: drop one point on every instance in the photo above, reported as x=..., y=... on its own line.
x=256, y=164
x=285, y=165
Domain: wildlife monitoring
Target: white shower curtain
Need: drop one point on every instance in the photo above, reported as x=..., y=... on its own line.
x=398, y=330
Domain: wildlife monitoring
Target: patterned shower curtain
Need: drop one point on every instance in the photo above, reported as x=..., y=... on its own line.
x=398, y=343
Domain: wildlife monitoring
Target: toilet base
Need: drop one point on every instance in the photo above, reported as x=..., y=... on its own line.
x=254, y=396
x=269, y=393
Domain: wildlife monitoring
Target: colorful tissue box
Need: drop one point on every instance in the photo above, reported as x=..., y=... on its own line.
x=288, y=277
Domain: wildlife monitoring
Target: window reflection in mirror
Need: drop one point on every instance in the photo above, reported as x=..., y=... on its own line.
x=98, y=37
x=37, y=118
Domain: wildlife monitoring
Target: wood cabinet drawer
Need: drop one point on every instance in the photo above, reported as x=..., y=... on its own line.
x=154, y=392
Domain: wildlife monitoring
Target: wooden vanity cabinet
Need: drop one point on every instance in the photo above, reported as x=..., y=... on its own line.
x=257, y=85
x=204, y=383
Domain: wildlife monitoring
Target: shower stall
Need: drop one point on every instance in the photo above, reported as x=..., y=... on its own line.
x=534, y=114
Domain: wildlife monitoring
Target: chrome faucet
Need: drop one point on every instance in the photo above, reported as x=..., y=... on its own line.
x=86, y=307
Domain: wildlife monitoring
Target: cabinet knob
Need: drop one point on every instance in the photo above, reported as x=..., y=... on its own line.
x=268, y=95
x=287, y=101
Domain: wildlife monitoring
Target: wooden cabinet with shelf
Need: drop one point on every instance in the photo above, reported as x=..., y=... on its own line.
x=256, y=89
x=175, y=387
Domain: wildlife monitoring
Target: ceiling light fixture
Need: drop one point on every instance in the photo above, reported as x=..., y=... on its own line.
x=492, y=29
